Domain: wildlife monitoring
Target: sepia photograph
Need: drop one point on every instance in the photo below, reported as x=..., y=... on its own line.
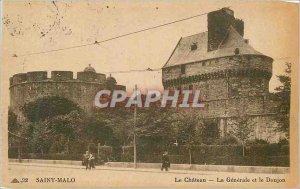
x=184, y=94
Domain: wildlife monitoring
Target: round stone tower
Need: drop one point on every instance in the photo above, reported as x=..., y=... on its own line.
x=27, y=87
x=232, y=76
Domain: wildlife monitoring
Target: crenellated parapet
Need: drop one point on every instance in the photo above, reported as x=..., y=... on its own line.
x=36, y=76
x=91, y=77
x=185, y=80
x=27, y=87
x=61, y=75
x=223, y=64
x=57, y=76
x=18, y=78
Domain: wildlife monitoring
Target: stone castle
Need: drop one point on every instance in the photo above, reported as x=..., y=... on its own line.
x=233, y=76
x=27, y=87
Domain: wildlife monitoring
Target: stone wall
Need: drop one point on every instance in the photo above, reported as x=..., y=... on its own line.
x=61, y=75
x=263, y=126
x=230, y=87
x=259, y=110
x=231, y=107
x=36, y=76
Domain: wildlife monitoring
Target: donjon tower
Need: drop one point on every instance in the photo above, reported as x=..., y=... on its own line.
x=233, y=76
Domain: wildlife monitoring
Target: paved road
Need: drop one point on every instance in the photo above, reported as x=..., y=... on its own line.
x=45, y=175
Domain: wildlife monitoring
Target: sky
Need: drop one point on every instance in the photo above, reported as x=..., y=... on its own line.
x=29, y=27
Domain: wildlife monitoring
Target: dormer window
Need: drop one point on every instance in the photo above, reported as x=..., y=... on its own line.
x=193, y=46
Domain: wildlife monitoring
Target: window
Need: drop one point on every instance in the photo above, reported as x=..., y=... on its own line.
x=237, y=51
x=182, y=69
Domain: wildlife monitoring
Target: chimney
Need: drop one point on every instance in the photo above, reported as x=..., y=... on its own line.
x=218, y=23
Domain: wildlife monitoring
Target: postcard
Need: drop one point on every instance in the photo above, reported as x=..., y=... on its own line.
x=149, y=94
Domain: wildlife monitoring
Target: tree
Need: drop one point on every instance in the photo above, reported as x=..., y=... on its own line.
x=14, y=136
x=54, y=124
x=12, y=121
x=66, y=130
x=98, y=131
x=119, y=119
x=154, y=128
x=186, y=124
x=242, y=129
x=55, y=135
x=209, y=132
x=48, y=107
x=13, y=126
x=283, y=97
x=40, y=139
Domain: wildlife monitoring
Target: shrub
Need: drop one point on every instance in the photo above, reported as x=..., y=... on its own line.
x=257, y=142
x=227, y=140
x=283, y=141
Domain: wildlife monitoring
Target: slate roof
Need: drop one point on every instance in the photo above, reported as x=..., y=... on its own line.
x=183, y=54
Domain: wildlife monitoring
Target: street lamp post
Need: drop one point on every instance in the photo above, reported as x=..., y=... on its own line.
x=98, y=151
x=134, y=132
x=19, y=151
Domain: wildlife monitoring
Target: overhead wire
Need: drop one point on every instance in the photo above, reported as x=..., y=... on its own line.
x=109, y=39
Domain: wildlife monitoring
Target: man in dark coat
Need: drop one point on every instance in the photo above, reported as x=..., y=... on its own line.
x=91, y=161
x=85, y=160
x=165, y=161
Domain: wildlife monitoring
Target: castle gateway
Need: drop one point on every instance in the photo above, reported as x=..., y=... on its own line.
x=233, y=76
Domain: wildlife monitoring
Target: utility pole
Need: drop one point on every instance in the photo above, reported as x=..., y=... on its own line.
x=19, y=151
x=98, y=151
x=134, y=132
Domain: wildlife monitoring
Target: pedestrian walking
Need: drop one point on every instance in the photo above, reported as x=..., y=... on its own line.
x=85, y=159
x=165, y=161
x=91, y=161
